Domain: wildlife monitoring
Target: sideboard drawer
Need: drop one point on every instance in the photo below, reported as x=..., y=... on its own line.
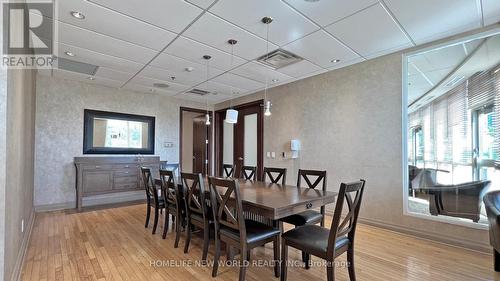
x=98, y=167
x=125, y=185
x=126, y=173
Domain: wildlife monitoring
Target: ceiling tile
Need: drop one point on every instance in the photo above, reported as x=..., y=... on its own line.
x=177, y=65
x=108, y=22
x=149, y=90
x=91, y=57
x=373, y=39
x=193, y=51
x=249, y=46
x=342, y=64
x=173, y=15
x=238, y=82
x=491, y=11
x=428, y=20
x=221, y=89
x=113, y=74
x=320, y=48
x=183, y=77
x=149, y=82
x=83, y=38
x=327, y=12
x=261, y=73
x=201, y=3
x=83, y=78
x=211, y=99
x=299, y=69
x=288, y=25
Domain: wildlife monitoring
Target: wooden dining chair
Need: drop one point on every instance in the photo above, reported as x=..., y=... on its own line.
x=153, y=199
x=248, y=172
x=174, y=199
x=228, y=170
x=199, y=213
x=275, y=175
x=233, y=229
x=325, y=243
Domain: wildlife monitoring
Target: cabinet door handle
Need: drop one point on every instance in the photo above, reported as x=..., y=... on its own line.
x=126, y=166
x=126, y=172
x=97, y=167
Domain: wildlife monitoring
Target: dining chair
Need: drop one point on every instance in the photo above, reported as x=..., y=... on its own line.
x=171, y=167
x=248, y=172
x=174, y=198
x=233, y=229
x=228, y=170
x=199, y=213
x=153, y=199
x=275, y=175
x=325, y=243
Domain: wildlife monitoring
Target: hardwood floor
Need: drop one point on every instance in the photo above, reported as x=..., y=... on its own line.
x=112, y=244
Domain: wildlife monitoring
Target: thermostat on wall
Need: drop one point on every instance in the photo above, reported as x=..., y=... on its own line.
x=168, y=144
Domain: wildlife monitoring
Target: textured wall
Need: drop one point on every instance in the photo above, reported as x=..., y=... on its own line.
x=350, y=123
x=20, y=164
x=59, y=129
x=3, y=151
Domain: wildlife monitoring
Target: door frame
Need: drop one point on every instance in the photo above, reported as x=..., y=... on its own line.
x=209, y=151
x=219, y=136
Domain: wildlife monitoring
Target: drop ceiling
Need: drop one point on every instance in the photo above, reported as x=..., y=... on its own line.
x=139, y=43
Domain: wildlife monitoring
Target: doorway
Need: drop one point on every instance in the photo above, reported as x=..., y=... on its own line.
x=195, y=141
x=240, y=144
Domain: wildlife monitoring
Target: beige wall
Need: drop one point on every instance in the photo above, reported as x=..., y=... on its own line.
x=3, y=151
x=350, y=123
x=19, y=169
x=59, y=130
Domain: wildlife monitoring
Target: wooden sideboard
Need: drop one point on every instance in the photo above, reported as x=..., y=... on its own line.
x=113, y=174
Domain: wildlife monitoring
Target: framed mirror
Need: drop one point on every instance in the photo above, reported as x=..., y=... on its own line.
x=117, y=133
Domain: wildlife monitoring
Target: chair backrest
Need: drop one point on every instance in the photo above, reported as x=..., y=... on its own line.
x=169, y=187
x=228, y=170
x=307, y=174
x=352, y=193
x=226, y=204
x=248, y=172
x=149, y=186
x=275, y=175
x=195, y=195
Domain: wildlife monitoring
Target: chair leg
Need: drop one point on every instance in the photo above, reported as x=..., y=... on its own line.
x=284, y=260
x=307, y=261
x=216, y=256
x=148, y=214
x=243, y=266
x=249, y=254
x=497, y=260
x=156, y=221
x=177, y=230
x=330, y=271
x=350, y=261
x=188, y=237
x=206, y=242
x=229, y=253
x=165, y=226
x=276, y=250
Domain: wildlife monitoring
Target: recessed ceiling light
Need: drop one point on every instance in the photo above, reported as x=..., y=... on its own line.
x=91, y=78
x=189, y=69
x=78, y=15
x=335, y=61
x=69, y=54
x=275, y=80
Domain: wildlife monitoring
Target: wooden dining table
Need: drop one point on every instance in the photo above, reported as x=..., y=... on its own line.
x=276, y=201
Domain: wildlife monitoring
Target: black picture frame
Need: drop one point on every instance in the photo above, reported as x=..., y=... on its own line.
x=88, y=132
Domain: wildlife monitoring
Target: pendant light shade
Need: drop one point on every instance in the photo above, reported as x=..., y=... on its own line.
x=267, y=108
x=231, y=116
x=207, y=119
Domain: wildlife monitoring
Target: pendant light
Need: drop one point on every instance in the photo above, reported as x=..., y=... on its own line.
x=207, y=115
x=231, y=114
x=267, y=103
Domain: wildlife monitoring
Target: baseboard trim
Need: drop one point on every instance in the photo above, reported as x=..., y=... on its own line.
x=424, y=235
x=18, y=266
x=103, y=199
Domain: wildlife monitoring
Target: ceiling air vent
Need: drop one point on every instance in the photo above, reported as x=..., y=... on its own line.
x=279, y=58
x=76, y=66
x=198, y=92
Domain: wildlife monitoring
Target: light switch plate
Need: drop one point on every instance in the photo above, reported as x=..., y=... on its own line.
x=273, y=154
x=268, y=154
